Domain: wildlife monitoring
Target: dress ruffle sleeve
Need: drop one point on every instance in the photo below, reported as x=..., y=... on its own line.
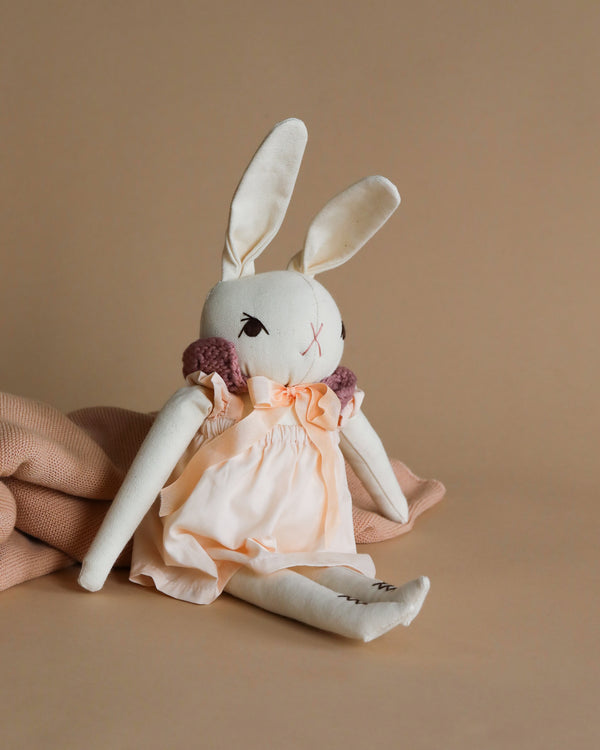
x=352, y=407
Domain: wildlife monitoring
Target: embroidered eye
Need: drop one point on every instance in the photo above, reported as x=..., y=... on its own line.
x=343, y=330
x=252, y=326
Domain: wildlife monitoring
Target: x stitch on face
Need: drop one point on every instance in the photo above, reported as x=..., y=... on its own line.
x=316, y=335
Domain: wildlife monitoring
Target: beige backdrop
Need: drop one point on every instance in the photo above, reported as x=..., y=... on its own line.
x=472, y=322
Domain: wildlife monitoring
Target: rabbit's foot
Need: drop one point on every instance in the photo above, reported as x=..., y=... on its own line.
x=411, y=595
x=350, y=582
x=294, y=595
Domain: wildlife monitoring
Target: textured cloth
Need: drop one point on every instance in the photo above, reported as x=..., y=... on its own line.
x=59, y=473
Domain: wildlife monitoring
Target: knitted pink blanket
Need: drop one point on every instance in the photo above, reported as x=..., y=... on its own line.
x=60, y=472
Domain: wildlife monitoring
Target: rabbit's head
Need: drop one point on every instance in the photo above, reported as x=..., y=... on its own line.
x=284, y=324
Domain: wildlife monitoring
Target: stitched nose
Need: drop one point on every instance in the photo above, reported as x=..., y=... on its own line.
x=315, y=339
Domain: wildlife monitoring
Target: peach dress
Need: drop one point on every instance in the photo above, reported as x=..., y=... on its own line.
x=262, y=485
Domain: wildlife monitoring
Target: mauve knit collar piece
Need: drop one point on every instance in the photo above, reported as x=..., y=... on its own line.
x=219, y=355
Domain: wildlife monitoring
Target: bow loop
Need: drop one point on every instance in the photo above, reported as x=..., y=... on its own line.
x=314, y=403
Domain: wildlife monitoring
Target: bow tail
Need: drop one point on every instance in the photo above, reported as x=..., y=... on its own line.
x=320, y=437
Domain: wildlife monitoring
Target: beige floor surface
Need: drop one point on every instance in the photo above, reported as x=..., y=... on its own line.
x=503, y=655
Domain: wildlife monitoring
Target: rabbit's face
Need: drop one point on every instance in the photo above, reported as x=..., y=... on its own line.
x=284, y=325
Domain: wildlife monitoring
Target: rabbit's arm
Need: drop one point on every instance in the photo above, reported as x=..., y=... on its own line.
x=169, y=436
x=365, y=453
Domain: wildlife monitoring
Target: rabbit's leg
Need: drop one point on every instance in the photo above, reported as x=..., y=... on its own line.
x=293, y=595
x=352, y=583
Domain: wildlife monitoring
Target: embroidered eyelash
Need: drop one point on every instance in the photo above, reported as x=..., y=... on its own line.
x=252, y=326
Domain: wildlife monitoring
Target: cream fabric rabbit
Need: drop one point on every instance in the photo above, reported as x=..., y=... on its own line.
x=252, y=496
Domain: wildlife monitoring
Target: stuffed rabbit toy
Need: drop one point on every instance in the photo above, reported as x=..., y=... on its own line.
x=240, y=484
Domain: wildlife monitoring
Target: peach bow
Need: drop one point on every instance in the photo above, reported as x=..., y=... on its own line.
x=314, y=403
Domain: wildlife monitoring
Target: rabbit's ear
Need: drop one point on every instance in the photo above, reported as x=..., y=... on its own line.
x=262, y=197
x=343, y=226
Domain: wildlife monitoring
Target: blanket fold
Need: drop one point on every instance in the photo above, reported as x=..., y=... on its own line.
x=59, y=473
